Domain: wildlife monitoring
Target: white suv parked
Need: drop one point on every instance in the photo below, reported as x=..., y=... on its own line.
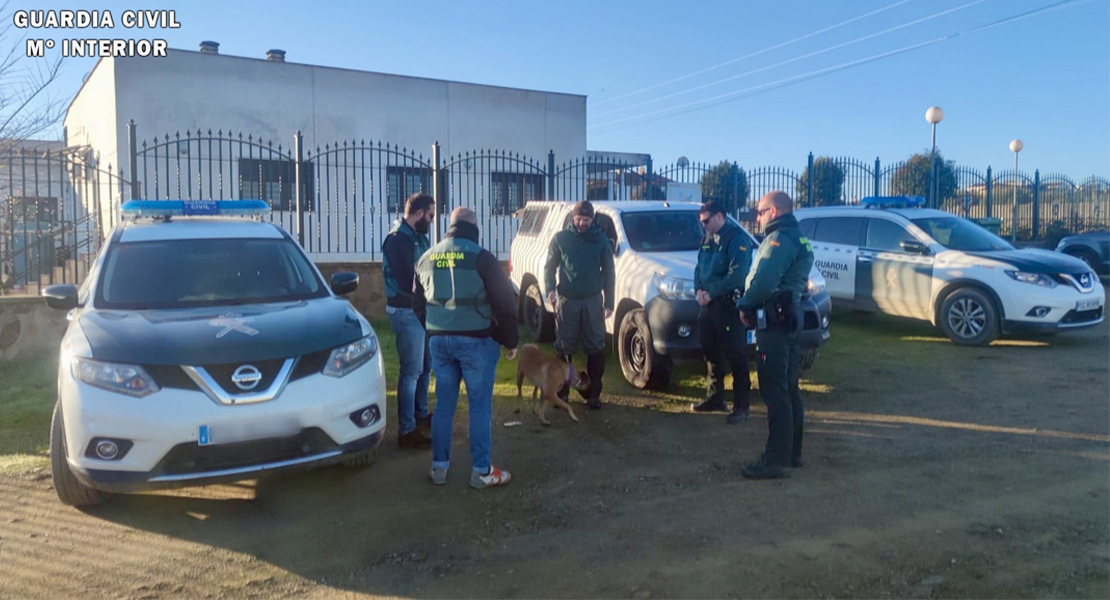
x=208, y=349
x=929, y=264
x=656, y=249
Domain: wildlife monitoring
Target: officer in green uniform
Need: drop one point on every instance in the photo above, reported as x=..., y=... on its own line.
x=771, y=304
x=723, y=263
x=466, y=302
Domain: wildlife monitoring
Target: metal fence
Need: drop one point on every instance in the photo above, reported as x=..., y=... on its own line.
x=57, y=207
x=341, y=198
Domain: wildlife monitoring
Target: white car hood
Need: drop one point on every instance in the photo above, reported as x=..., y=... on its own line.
x=672, y=264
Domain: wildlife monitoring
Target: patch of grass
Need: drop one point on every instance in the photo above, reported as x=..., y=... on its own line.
x=862, y=345
x=26, y=402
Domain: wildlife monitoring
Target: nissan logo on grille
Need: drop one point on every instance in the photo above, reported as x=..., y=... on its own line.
x=246, y=377
x=1085, y=280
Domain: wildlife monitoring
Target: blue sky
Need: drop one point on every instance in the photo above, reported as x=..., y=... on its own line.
x=1044, y=79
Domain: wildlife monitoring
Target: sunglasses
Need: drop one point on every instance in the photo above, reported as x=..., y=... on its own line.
x=763, y=210
x=704, y=221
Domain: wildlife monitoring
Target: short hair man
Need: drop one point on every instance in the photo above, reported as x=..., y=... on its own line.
x=582, y=256
x=723, y=263
x=466, y=302
x=775, y=286
x=404, y=245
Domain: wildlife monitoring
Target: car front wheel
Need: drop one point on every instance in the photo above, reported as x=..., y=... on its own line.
x=643, y=368
x=70, y=491
x=969, y=318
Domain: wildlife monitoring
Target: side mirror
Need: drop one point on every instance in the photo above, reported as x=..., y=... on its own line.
x=914, y=247
x=62, y=296
x=344, y=282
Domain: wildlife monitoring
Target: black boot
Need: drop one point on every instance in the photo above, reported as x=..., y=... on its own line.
x=595, y=368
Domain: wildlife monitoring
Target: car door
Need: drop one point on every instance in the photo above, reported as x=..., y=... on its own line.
x=836, y=242
x=895, y=269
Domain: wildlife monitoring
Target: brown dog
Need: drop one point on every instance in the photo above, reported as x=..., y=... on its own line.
x=548, y=374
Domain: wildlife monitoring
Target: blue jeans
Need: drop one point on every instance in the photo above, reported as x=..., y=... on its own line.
x=456, y=359
x=412, y=353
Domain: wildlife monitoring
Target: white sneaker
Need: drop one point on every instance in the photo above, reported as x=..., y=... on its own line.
x=439, y=476
x=496, y=477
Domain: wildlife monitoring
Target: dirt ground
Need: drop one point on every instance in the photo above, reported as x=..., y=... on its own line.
x=932, y=471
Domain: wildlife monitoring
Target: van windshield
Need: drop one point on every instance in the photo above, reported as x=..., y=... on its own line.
x=956, y=233
x=663, y=231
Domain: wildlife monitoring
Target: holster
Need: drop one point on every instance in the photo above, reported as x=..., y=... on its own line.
x=782, y=312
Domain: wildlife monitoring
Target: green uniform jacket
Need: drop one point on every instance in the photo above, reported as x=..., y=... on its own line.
x=724, y=260
x=584, y=262
x=460, y=289
x=783, y=263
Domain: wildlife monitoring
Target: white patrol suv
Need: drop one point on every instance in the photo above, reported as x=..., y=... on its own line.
x=656, y=249
x=888, y=256
x=208, y=349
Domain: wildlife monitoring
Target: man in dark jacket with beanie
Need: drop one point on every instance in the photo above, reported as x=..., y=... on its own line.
x=582, y=256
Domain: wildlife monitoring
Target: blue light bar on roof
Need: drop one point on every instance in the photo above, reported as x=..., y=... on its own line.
x=194, y=208
x=893, y=201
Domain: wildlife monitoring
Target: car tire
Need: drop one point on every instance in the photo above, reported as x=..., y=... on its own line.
x=362, y=459
x=70, y=491
x=969, y=317
x=643, y=368
x=808, y=358
x=1084, y=255
x=539, y=323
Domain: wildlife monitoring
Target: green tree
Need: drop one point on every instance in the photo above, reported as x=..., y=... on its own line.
x=828, y=184
x=912, y=178
x=727, y=184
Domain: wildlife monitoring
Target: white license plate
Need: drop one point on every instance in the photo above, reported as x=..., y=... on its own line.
x=1087, y=305
x=751, y=337
x=227, y=433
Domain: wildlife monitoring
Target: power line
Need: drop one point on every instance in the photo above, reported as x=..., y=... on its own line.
x=796, y=59
x=723, y=98
x=745, y=57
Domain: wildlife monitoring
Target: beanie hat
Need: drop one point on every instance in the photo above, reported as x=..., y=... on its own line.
x=583, y=209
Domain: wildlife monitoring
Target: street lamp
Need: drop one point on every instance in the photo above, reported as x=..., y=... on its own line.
x=934, y=115
x=1015, y=147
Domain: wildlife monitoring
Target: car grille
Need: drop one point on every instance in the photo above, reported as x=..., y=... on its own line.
x=193, y=458
x=310, y=364
x=1082, y=316
x=174, y=377
x=221, y=373
x=171, y=376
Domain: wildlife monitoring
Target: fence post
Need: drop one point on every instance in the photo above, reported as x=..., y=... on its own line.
x=298, y=191
x=648, y=181
x=437, y=189
x=550, y=174
x=877, y=178
x=809, y=182
x=133, y=159
x=990, y=211
x=1036, y=203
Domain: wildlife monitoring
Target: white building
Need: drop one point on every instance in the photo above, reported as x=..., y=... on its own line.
x=352, y=193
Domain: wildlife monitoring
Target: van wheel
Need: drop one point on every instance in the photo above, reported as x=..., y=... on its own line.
x=70, y=491
x=642, y=367
x=539, y=324
x=969, y=318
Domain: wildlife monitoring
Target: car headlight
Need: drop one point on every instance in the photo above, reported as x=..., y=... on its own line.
x=816, y=284
x=1033, y=278
x=131, y=380
x=345, y=359
x=673, y=288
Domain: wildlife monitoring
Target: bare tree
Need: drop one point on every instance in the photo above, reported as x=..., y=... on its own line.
x=27, y=107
